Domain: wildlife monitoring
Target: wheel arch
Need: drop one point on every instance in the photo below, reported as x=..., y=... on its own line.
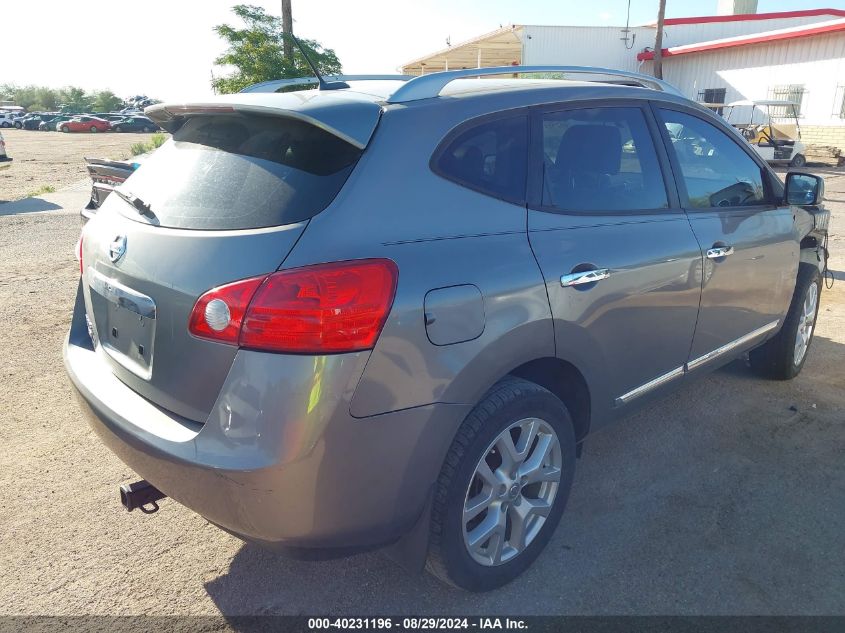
x=566, y=382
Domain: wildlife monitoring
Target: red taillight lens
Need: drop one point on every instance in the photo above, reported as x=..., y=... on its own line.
x=337, y=307
x=79, y=253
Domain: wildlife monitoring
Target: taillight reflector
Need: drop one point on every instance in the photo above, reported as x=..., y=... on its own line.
x=236, y=296
x=336, y=307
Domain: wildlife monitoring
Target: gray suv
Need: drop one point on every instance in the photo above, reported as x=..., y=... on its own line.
x=388, y=312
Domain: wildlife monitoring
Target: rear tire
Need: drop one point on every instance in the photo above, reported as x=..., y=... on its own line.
x=783, y=356
x=65, y=128
x=516, y=497
x=799, y=160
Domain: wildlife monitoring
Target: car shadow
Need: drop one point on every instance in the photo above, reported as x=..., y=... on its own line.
x=686, y=493
x=27, y=205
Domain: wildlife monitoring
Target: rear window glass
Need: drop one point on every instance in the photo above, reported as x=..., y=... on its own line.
x=241, y=172
x=490, y=157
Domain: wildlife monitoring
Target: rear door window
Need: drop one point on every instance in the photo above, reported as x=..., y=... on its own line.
x=600, y=160
x=490, y=157
x=241, y=172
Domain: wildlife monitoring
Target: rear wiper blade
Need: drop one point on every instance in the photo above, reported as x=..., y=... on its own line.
x=140, y=206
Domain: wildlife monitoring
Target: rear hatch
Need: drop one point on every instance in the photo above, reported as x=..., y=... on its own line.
x=225, y=199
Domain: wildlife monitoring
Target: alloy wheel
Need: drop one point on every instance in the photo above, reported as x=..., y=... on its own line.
x=512, y=491
x=806, y=323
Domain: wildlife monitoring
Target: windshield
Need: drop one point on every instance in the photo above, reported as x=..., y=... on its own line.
x=241, y=172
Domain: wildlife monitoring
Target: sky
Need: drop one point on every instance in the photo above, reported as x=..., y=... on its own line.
x=166, y=48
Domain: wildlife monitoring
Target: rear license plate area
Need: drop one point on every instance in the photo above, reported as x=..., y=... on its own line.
x=125, y=323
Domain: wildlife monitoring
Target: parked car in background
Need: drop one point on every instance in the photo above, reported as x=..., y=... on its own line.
x=49, y=125
x=84, y=124
x=32, y=121
x=105, y=176
x=134, y=124
x=7, y=119
x=109, y=116
x=292, y=332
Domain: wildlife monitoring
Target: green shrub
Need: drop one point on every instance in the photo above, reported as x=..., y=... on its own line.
x=156, y=141
x=138, y=148
x=41, y=190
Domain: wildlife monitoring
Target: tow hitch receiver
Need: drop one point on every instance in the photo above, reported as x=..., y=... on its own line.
x=142, y=495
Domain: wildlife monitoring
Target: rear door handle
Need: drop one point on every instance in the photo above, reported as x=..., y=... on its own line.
x=584, y=277
x=720, y=251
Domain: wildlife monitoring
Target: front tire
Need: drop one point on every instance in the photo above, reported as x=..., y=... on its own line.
x=783, y=356
x=503, y=487
x=799, y=160
x=94, y=129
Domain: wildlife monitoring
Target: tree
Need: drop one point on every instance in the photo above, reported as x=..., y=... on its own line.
x=33, y=98
x=105, y=101
x=74, y=99
x=257, y=52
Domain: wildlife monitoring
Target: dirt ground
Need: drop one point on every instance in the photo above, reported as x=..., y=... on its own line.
x=723, y=498
x=55, y=159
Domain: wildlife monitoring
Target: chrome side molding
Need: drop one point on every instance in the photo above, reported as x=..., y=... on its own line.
x=652, y=384
x=720, y=351
x=691, y=365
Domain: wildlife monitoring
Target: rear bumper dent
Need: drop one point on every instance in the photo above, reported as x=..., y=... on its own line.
x=280, y=460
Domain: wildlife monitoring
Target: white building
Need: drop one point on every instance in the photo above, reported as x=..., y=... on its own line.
x=736, y=54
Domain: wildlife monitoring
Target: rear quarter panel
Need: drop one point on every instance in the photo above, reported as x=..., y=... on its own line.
x=440, y=235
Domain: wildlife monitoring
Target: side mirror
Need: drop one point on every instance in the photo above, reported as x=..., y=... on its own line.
x=804, y=189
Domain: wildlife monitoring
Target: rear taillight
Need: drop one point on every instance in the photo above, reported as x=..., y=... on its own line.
x=79, y=252
x=337, y=307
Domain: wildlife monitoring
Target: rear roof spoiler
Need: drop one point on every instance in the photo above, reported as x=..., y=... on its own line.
x=349, y=116
x=275, y=84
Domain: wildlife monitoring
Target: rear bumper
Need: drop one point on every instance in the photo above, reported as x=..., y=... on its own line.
x=280, y=460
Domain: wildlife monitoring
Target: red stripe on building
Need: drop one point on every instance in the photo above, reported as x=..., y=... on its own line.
x=806, y=13
x=745, y=41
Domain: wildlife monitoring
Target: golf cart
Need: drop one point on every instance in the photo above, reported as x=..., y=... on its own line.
x=777, y=143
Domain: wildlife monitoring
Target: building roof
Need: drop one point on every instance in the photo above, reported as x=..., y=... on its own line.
x=502, y=47
x=807, y=30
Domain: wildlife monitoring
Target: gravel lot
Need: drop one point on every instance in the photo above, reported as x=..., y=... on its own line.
x=724, y=498
x=55, y=159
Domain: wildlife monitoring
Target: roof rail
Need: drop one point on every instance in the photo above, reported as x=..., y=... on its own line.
x=428, y=86
x=274, y=84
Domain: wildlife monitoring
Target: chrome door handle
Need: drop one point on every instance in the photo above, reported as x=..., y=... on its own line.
x=720, y=251
x=584, y=277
